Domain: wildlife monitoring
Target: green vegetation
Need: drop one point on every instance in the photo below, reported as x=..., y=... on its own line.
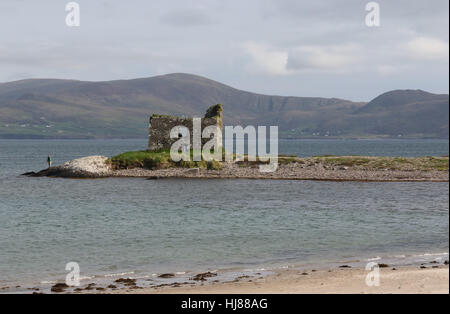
x=331, y=162
x=161, y=160
x=158, y=160
x=387, y=163
x=346, y=161
x=141, y=159
x=214, y=111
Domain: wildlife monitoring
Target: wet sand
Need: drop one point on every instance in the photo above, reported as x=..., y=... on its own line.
x=403, y=280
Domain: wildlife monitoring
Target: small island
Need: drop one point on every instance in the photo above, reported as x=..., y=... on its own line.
x=158, y=165
x=156, y=162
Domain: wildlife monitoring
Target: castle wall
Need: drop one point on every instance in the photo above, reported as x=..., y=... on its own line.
x=161, y=125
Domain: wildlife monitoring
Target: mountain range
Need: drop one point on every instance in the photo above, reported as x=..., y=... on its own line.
x=51, y=108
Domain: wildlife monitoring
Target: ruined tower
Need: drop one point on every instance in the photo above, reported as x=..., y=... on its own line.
x=161, y=125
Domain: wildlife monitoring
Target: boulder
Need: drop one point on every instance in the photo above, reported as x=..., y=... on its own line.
x=86, y=167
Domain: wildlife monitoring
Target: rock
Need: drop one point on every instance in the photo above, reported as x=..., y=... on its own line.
x=446, y=263
x=193, y=171
x=202, y=277
x=86, y=167
x=383, y=265
x=59, y=287
x=166, y=276
x=29, y=174
x=130, y=284
x=154, y=178
x=126, y=281
x=344, y=168
x=345, y=266
x=112, y=287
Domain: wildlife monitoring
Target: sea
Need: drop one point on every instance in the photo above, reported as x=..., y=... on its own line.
x=132, y=227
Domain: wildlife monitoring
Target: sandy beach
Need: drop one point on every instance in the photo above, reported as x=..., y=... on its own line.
x=403, y=280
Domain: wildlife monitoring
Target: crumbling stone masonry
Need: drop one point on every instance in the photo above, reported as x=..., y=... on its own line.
x=160, y=126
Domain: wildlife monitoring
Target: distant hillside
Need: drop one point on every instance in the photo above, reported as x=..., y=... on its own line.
x=45, y=108
x=407, y=112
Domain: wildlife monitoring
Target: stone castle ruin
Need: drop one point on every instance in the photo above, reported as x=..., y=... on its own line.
x=161, y=126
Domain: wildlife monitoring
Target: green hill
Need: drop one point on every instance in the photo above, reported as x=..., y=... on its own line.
x=46, y=108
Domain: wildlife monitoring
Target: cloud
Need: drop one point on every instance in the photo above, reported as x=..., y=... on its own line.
x=275, y=61
x=428, y=48
x=389, y=59
x=325, y=58
x=264, y=46
x=267, y=60
x=186, y=18
x=391, y=69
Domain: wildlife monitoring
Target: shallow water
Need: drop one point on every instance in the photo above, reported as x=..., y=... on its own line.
x=122, y=225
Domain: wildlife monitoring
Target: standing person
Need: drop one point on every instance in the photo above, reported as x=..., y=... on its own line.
x=49, y=161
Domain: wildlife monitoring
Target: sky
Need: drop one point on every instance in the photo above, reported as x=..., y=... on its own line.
x=277, y=47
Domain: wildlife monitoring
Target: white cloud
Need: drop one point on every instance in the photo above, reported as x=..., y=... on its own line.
x=391, y=69
x=306, y=58
x=267, y=60
x=428, y=48
x=391, y=58
x=325, y=58
x=325, y=45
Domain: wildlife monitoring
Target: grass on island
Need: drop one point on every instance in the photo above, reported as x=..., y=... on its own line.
x=363, y=163
x=386, y=163
x=161, y=160
x=158, y=160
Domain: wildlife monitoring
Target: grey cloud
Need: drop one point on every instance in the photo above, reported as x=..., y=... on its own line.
x=287, y=47
x=186, y=17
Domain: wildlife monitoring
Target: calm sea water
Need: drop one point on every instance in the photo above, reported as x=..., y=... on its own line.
x=134, y=225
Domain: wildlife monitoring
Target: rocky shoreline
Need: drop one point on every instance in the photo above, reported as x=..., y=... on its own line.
x=94, y=167
x=91, y=167
x=298, y=279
